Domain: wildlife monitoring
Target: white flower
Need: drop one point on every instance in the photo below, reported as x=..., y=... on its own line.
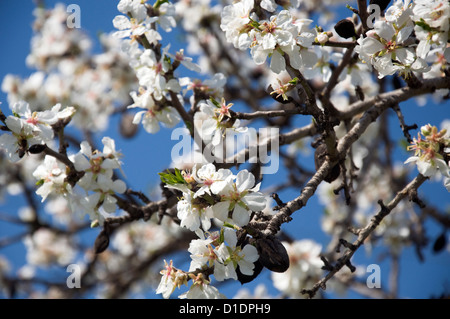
x=273, y=38
x=202, y=253
x=128, y=27
x=152, y=116
x=429, y=167
x=210, y=180
x=29, y=128
x=269, y=5
x=213, y=86
x=235, y=20
x=322, y=37
x=135, y=7
x=201, y=289
x=16, y=144
x=45, y=247
x=165, y=18
x=213, y=121
x=137, y=25
x=98, y=172
x=240, y=198
x=193, y=213
x=186, y=61
x=383, y=45
x=230, y=256
x=40, y=122
x=51, y=174
x=400, y=13
x=304, y=270
x=431, y=25
x=171, y=278
x=107, y=188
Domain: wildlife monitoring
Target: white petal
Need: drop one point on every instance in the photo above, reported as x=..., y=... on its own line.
x=119, y=186
x=240, y=215
x=268, y=5
x=251, y=253
x=230, y=237
x=121, y=22
x=277, y=62
x=255, y=201
x=244, y=180
x=221, y=210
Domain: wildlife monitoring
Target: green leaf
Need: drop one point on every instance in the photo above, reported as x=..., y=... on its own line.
x=40, y=182
x=421, y=23
x=158, y=3
x=172, y=178
x=294, y=81
x=214, y=101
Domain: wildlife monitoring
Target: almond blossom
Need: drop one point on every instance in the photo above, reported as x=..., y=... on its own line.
x=231, y=256
x=427, y=154
x=236, y=22
x=171, y=279
x=214, y=119
x=273, y=38
x=201, y=289
x=152, y=116
x=431, y=24
x=384, y=48
x=211, y=181
x=193, y=212
x=305, y=267
x=51, y=176
x=239, y=197
x=29, y=128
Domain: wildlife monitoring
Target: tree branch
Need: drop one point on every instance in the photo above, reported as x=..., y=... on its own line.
x=365, y=232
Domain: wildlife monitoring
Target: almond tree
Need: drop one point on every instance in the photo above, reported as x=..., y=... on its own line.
x=272, y=63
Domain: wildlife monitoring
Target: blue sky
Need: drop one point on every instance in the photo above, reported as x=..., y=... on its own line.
x=417, y=280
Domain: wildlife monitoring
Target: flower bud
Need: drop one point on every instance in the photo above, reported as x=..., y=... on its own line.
x=426, y=130
x=345, y=28
x=322, y=38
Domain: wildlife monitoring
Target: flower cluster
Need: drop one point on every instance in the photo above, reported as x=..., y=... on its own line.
x=68, y=74
x=221, y=252
x=45, y=247
x=431, y=151
x=225, y=209
x=273, y=38
x=213, y=119
x=305, y=267
x=98, y=189
x=389, y=47
x=154, y=71
x=431, y=19
x=97, y=181
x=30, y=128
x=208, y=193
